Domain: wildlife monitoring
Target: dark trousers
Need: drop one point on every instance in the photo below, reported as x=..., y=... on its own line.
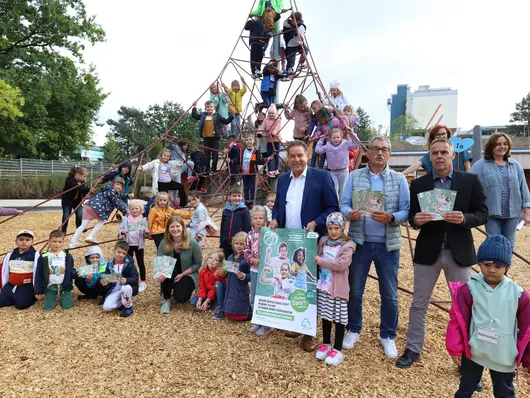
x=234, y=169
x=182, y=289
x=314, y=157
x=339, y=334
x=249, y=186
x=23, y=297
x=197, y=184
x=226, y=247
x=211, y=157
x=256, y=56
x=268, y=97
x=290, y=54
x=158, y=238
x=273, y=148
x=174, y=186
x=69, y=206
x=139, y=259
x=94, y=292
x=471, y=375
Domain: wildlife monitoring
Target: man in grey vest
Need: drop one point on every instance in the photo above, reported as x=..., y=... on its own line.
x=378, y=239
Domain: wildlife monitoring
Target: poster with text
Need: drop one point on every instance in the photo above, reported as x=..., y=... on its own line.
x=286, y=295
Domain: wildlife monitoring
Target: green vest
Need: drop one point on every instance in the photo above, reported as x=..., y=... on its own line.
x=494, y=310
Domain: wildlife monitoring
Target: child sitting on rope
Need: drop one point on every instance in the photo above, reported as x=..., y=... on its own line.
x=99, y=208
x=270, y=11
x=301, y=116
x=210, y=129
x=235, y=106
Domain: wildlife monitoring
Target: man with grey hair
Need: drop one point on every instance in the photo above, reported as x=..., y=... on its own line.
x=378, y=238
x=446, y=244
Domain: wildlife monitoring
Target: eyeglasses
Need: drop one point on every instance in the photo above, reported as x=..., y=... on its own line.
x=377, y=149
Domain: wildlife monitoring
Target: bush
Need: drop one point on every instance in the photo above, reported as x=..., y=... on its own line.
x=31, y=187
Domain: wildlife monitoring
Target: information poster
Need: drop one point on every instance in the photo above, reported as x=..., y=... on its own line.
x=286, y=295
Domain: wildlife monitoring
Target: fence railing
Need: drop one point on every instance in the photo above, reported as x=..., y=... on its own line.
x=10, y=168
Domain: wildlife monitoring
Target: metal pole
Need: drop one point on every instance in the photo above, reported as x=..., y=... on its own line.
x=476, y=150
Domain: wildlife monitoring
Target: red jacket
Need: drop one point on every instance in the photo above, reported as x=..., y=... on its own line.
x=207, y=279
x=457, y=336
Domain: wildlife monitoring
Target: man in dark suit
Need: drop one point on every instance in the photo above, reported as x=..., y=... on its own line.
x=304, y=198
x=446, y=244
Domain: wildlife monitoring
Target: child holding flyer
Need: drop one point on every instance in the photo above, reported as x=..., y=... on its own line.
x=300, y=271
x=87, y=284
x=134, y=228
x=211, y=285
x=55, y=273
x=258, y=217
x=490, y=322
x=334, y=258
x=236, y=304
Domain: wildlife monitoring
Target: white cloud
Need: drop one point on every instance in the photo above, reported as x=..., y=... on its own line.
x=166, y=50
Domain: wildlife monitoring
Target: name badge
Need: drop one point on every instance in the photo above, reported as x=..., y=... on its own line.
x=488, y=335
x=17, y=263
x=208, y=118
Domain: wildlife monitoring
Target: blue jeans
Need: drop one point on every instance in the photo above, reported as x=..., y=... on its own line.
x=219, y=296
x=471, y=375
x=274, y=163
x=503, y=226
x=268, y=97
x=69, y=206
x=314, y=158
x=253, y=284
x=386, y=266
x=235, y=126
x=249, y=186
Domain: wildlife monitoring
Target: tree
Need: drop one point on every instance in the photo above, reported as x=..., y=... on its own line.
x=364, y=130
x=10, y=101
x=406, y=125
x=112, y=150
x=521, y=116
x=40, y=53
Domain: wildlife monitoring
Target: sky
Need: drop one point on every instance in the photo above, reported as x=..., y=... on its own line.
x=165, y=50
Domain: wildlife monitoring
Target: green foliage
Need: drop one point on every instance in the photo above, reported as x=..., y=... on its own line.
x=521, y=116
x=135, y=130
x=40, y=53
x=33, y=187
x=10, y=101
x=406, y=126
x=112, y=150
x=364, y=130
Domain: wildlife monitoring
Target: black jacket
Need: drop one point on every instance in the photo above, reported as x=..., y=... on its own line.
x=75, y=195
x=255, y=160
x=470, y=200
x=256, y=29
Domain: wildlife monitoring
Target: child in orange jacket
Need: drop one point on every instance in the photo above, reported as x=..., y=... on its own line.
x=159, y=215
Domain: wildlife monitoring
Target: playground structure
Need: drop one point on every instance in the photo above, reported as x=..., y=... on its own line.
x=218, y=184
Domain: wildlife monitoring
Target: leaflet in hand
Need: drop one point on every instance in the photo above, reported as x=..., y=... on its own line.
x=163, y=265
x=86, y=270
x=437, y=202
x=368, y=201
x=110, y=278
x=231, y=266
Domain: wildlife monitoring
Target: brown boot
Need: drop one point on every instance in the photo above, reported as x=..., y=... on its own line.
x=308, y=343
x=292, y=335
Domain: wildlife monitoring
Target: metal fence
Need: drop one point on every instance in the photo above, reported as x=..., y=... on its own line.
x=38, y=167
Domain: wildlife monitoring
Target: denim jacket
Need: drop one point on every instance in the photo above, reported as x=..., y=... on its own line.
x=490, y=177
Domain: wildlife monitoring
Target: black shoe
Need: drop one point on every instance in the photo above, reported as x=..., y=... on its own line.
x=407, y=359
x=87, y=297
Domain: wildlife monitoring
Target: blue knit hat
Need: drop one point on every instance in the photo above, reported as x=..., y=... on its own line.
x=495, y=249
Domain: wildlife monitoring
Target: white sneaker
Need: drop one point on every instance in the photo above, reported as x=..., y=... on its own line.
x=254, y=328
x=322, y=352
x=264, y=331
x=73, y=245
x=390, y=348
x=91, y=240
x=349, y=340
x=142, y=286
x=334, y=358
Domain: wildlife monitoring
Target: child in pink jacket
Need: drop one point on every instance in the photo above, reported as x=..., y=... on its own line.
x=490, y=322
x=301, y=116
x=335, y=253
x=272, y=126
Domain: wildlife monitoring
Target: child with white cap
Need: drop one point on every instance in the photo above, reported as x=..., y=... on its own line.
x=336, y=96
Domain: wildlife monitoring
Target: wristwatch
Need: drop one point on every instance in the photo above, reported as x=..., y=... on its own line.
x=393, y=219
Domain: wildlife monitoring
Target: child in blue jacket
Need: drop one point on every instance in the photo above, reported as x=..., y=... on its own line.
x=99, y=208
x=236, y=218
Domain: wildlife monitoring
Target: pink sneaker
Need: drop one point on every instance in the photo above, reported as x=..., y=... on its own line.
x=334, y=358
x=271, y=174
x=322, y=351
x=175, y=202
x=192, y=178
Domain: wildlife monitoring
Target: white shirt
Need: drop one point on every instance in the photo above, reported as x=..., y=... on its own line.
x=57, y=268
x=293, y=203
x=164, y=174
x=297, y=40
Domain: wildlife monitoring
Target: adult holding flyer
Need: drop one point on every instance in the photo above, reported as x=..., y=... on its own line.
x=377, y=235
x=446, y=244
x=304, y=198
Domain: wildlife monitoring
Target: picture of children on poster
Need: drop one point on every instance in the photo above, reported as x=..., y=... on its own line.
x=286, y=291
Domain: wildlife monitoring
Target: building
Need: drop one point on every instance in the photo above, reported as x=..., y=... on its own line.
x=92, y=154
x=429, y=106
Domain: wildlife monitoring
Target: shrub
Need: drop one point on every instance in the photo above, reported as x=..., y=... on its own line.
x=31, y=187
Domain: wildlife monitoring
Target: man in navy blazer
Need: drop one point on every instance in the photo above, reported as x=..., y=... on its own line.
x=304, y=198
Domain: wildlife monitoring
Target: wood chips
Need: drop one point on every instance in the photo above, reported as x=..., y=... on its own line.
x=87, y=353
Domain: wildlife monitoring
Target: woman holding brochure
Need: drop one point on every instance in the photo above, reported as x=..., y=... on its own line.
x=504, y=182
